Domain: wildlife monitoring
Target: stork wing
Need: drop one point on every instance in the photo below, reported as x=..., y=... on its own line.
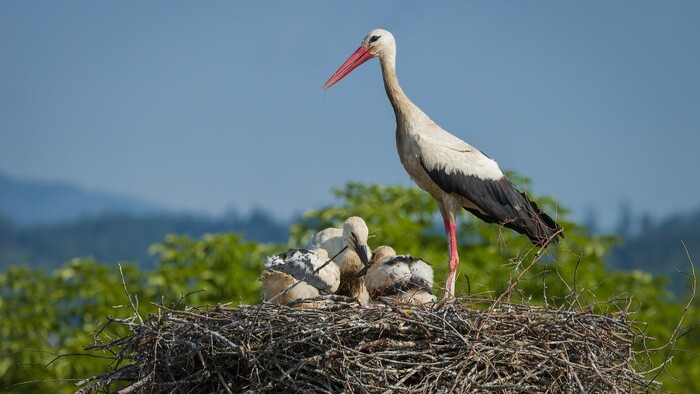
x=457, y=168
x=445, y=152
x=301, y=264
x=397, y=275
x=422, y=274
x=330, y=239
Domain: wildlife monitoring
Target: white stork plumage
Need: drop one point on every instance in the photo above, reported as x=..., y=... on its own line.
x=311, y=268
x=403, y=278
x=456, y=174
x=349, y=245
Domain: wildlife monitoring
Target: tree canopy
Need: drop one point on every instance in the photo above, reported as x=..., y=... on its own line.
x=47, y=318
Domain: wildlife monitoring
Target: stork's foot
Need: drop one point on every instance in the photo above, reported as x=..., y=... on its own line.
x=448, y=297
x=446, y=301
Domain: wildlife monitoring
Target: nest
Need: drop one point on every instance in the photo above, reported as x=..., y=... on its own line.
x=467, y=347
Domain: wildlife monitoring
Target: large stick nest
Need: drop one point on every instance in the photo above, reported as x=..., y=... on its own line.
x=467, y=347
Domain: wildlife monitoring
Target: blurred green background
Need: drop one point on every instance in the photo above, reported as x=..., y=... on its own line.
x=48, y=317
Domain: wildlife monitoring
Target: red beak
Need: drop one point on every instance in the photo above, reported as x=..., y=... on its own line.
x=358, y=57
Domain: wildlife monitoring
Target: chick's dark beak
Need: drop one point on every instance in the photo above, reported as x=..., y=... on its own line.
x=363, y=252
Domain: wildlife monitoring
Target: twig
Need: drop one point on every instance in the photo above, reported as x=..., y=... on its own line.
x=375, y=349
x=675, y=334
x=135, y=306
x=136, y=386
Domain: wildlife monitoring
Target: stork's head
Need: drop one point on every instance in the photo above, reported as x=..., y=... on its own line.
x=377, y=43
x=355, y=234
x=382, y=254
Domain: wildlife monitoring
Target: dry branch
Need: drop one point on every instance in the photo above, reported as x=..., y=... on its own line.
x=479, y=346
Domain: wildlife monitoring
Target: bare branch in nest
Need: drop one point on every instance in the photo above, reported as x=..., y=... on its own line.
x=134, y=304
x=485, y=346
x=677, y=331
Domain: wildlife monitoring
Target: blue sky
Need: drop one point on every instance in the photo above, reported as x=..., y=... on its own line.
x=206, y=106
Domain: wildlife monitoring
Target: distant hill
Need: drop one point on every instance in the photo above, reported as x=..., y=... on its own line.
x=30, y=202
x=44, y=224
x=115, y=237
x=656, y=247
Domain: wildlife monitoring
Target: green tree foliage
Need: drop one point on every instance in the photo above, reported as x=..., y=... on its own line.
x=43, y=315
x=573, y=272
x=223, y=265
x=408, y=220
x=656, y=247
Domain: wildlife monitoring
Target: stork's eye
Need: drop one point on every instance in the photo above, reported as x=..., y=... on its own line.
x=373, y=39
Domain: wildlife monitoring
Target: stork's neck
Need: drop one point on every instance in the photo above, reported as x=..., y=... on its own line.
x=404, y=109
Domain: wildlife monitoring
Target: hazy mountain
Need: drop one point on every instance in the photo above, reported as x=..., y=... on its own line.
x=45, y=224
x=31, y=202
x=659, y=247
x=114, y=237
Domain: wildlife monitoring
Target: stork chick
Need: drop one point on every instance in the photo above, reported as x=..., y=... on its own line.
x=349, y=245
x=283, y=271
x=405, y=279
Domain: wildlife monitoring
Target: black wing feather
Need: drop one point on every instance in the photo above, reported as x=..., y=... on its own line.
x=498, y=201
x=301, y=268
x=402, y=286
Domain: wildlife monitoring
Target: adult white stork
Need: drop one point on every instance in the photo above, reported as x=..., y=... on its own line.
x=348, y=248
x=456, y=174
x=403, y=278
x=299, y=274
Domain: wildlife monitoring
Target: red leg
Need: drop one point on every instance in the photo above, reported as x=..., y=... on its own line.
x=451, y=232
